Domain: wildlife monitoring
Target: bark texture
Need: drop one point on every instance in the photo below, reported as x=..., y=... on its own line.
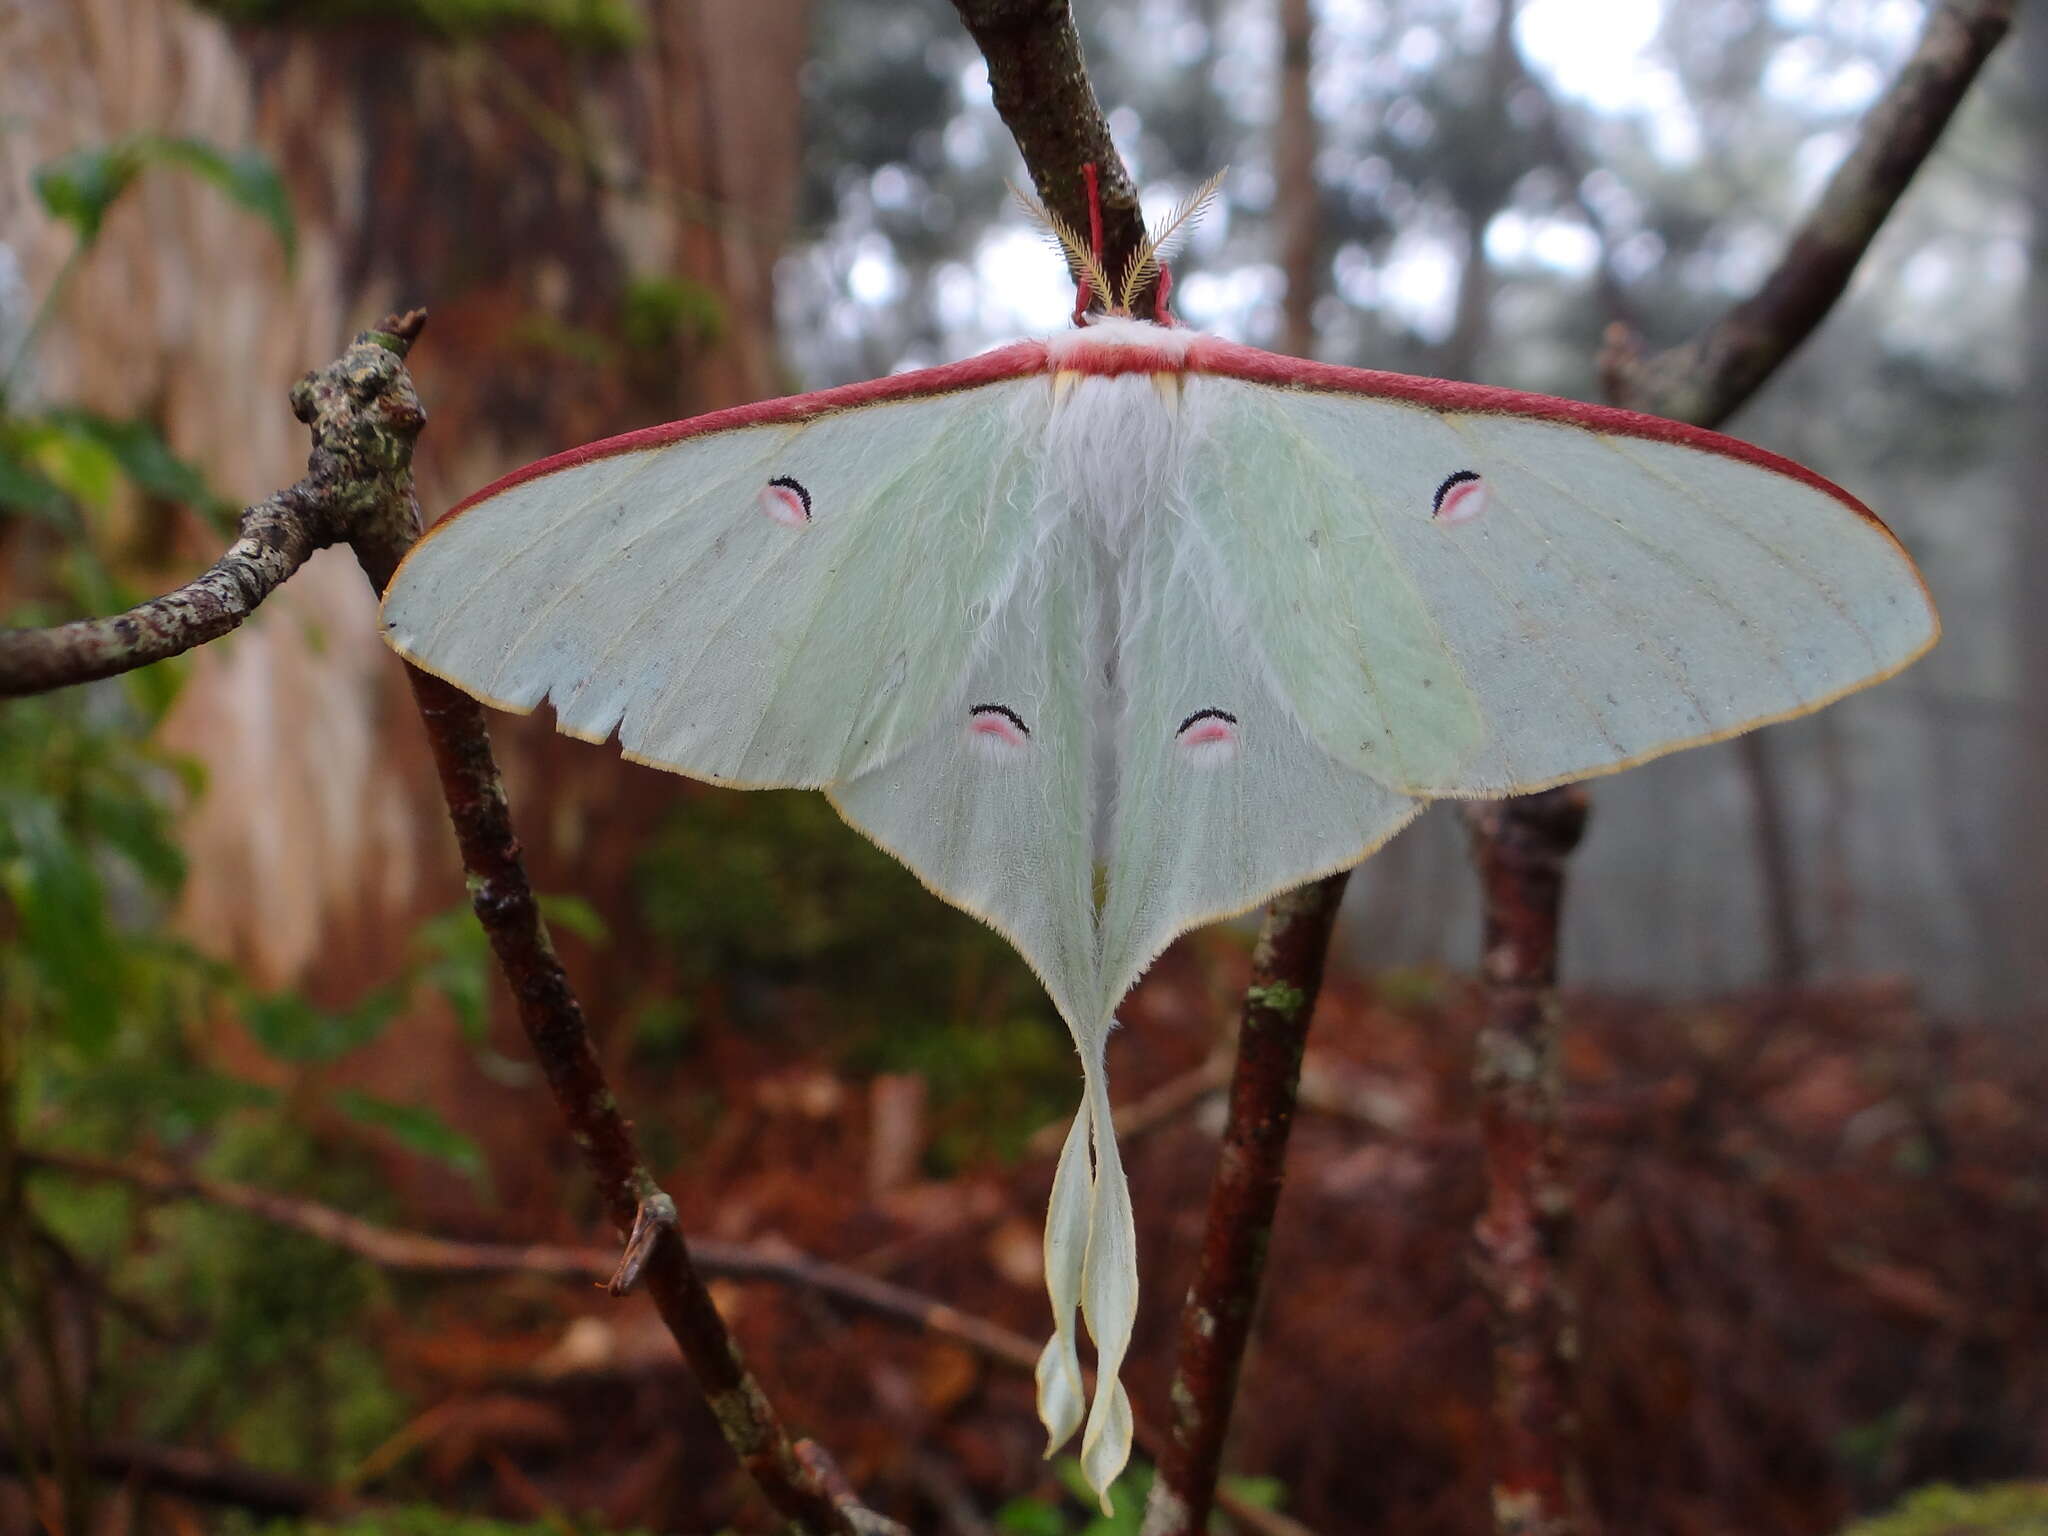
x=1707, y=379
x=1523, y=1236
x=530, y=194
x=1298, y=197
x=1041, y=87
x=1216, y=1318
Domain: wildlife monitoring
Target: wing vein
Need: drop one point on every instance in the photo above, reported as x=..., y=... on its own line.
x=1798, y=568
x=1629, y=622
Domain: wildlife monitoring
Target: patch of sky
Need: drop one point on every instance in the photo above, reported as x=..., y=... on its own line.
x=1234, y=302
x=1595, y=51
x=965, y=143
x=873, y=276
x=1603, y=53
x=1815, y=161
x=1637, y=256
x=1808, y=71
x=1515, y=238
x=1418, y=281
x=893, y=187
x=1023, y=282
x=1247, y=44
x=1419, y=50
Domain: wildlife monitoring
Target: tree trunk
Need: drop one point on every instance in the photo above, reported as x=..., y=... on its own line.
x=1294, y=175
x=593, y=234
x=2025, y=819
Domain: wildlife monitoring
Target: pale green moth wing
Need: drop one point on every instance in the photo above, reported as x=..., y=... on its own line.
x=993, y=806
x=749, y=606
x=1352, y=641
x=990, y=803
x=1222, y=797
x=1604, y=597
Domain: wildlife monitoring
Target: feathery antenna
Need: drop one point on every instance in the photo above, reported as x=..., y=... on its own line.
x=1079, y=256
x=1145, y=261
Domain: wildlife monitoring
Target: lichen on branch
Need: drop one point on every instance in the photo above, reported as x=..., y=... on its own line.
x=364, y=416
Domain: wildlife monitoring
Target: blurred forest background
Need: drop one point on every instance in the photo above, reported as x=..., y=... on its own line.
x=1804, y=1056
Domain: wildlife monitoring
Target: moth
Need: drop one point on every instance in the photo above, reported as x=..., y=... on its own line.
x=1128, y=629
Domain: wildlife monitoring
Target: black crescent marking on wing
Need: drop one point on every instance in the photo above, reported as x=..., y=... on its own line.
x=1206, y=714
x=1005, y=711
x=804, y=496
x=1436, y=502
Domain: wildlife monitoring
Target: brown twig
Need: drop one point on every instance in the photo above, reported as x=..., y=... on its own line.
x=1216, y=1319
x=1522, y=844
x=1705, y=380
x=365, y=416
x=553, y=1021
x=818, y=1462
x=363, y=428
x=1041, y=88
x=424, y=1253
x=547, y=1005
x=194, y=1474
x=1298, y=198
x=1777, y=871
x=1327, y=1087
x=1522, y=1237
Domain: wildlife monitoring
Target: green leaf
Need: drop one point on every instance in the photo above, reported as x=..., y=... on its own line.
x=455, y=961
x=79, y=465
x=599, y=26
x=80, y=187
x=656, y=312
x=292, y=1029
x=416, y=1128
x=246, y=176
x=139, y=831
x=1030, y=1517
x=1998, y=1509
x=26, y=492
x=170, y=1100
x=1258, y=1492
x=60, y=908
x=576, y=915
x=142, y=455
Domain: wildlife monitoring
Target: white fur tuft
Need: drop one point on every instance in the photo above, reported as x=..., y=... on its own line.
x=1171, y=342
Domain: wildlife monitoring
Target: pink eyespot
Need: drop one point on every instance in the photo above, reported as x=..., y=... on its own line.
x=1207, y=731
x=1460, y=498
x=999, y=724
x=786, y=501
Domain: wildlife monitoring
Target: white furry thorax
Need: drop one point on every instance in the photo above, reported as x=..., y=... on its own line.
x=1114, y=438
x=1069, y=349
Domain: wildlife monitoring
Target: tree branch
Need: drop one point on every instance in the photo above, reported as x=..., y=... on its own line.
x=1216, y=1318
x=1522, y=844
x=1041, y=88
x=1705, y=380
x=553, y=1020
x=194, y=1474
x=424, y=1253
x=1298, y=197
x=363, y=419
x=1522, y=1238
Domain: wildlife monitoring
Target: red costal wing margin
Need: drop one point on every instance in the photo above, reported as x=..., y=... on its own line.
x=1205, y=354
x=1232, y=360
x=1012, y=362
